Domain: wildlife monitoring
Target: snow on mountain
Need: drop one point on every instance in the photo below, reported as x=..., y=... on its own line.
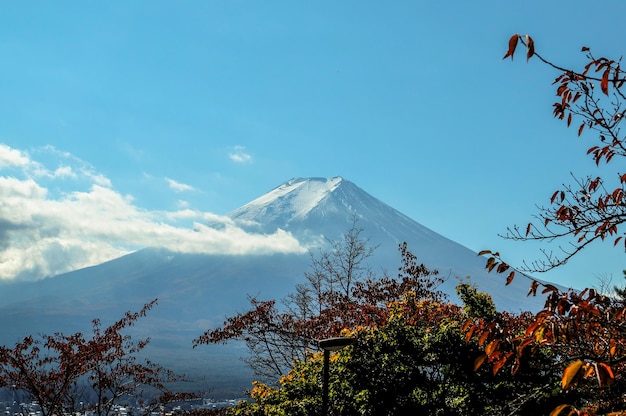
x=293, y=200
x=314, y=207
x=319, y=209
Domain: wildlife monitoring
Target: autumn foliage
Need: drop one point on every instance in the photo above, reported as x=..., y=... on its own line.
x=442, y=358
x=583, y=331
x=593, y=208
x=59, y=371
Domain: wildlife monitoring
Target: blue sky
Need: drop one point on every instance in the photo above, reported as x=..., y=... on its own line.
x=172, y=113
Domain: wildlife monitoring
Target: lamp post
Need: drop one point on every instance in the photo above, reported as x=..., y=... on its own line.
x=328, y=345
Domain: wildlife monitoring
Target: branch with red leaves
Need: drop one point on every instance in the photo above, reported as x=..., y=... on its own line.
x=594, y=209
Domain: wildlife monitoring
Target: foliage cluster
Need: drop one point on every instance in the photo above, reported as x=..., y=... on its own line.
x=60, y=371
x=584, y=330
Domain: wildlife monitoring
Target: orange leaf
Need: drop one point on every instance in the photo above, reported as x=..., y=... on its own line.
x=469, y=334
x=466, y=324
x=557, y=410
x=479, y=361
x=483, y=338
x=492, y=346
x=512, y=45
x=499, y=364
x=530, y=47
x=570, y=373
x=531, y=329
x=523, y=345
x=483, y=252
x=533, y=288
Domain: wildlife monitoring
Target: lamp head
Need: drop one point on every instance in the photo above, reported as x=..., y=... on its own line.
x=335, y=344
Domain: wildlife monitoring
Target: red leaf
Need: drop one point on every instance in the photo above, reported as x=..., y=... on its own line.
x=533, y=288
x=608, y=373
x=584, y=49
x=569, y=119
x=510, y=277
x=530, y=47
x=549, y=288
x=512, y=45
x=592, y=149
x=604, y=84
x=580, y=129
x=554, y=195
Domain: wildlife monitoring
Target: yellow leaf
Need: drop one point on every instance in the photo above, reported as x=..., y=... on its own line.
x=570, y=373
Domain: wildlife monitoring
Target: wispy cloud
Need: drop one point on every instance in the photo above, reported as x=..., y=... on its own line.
x=239, y=155
x=43, y=233
x=177, y=186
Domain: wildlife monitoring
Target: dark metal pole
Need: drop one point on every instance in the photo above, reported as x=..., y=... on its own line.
x=325, y=384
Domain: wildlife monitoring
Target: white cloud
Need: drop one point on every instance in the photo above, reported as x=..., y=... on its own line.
x=12, y=157
x=239, y=155
x=177, y=186
x=43, y=233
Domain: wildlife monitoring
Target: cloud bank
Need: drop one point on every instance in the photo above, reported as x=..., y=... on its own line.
x=44, y=232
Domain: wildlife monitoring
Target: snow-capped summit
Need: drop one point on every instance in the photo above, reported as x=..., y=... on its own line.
x=293, y=199
x=310, y=207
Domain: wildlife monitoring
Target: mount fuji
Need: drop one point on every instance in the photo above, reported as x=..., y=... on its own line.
x=198, y=291
x=318, y=209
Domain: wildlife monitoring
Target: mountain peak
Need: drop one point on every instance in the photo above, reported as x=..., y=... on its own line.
x=314, y=207
x=292, y=200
